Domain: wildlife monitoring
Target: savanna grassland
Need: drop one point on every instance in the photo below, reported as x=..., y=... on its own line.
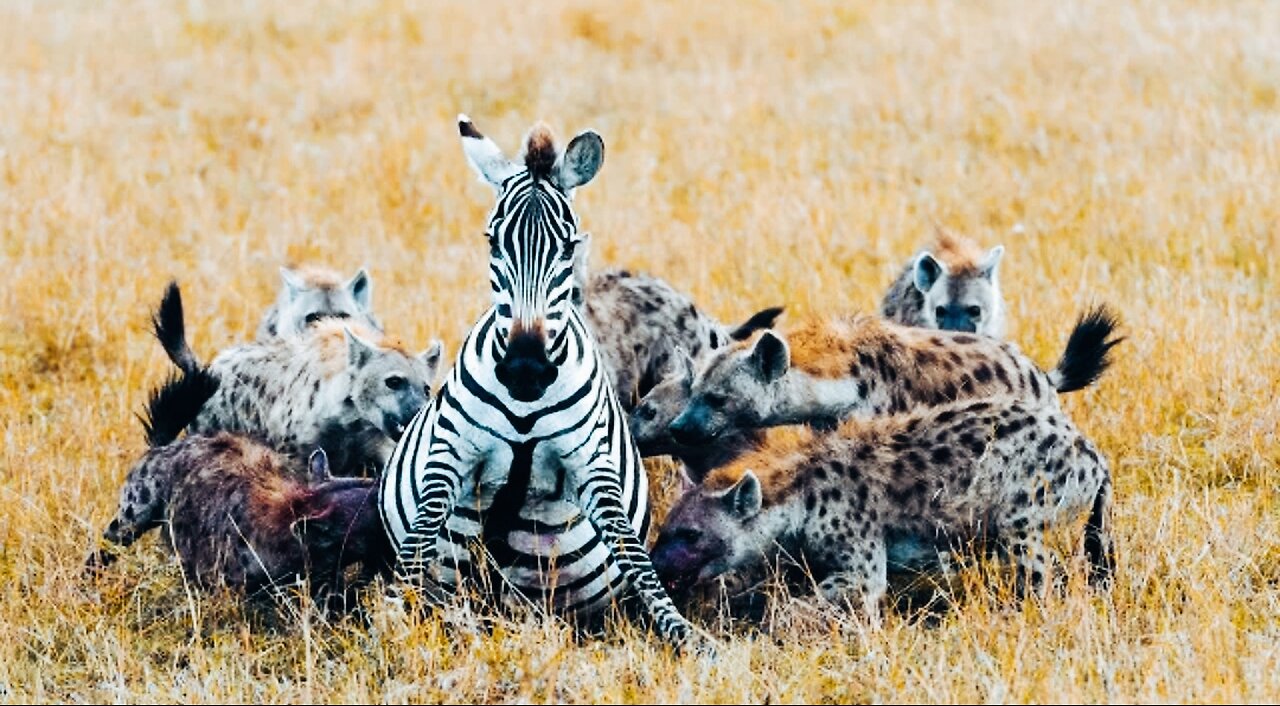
x=757, y=153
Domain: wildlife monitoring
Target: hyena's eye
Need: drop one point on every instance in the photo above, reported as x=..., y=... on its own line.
x=716, y=400
x=974, y=312
x=396, y=383
x=940, y=312
x=645, y=413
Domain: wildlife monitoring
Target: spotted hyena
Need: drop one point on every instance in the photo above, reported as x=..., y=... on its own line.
x=309, y=294
x=640, y=321
x=338, y=386
x=851, y=503
x=651, y=419
x=827, y=371
x=239, y=514
x=955, y=285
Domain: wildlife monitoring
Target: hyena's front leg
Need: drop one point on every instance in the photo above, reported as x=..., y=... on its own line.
x=602, y=501
x=858, y=576
x=1025, y=543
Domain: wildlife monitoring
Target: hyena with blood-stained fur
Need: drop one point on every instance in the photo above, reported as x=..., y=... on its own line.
x=338, y=386
x=827, y=371
x=954, y=285
x=309, y=294
x=640, y=322
x=240, y=514
x=850, y=503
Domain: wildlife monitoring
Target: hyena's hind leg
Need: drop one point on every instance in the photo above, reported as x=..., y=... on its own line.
x=1099, y=548
x=141, y=509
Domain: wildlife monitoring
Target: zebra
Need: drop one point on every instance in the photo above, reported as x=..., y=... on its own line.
x=526, y=449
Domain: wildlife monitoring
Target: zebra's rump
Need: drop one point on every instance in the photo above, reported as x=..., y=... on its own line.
x=550, y=555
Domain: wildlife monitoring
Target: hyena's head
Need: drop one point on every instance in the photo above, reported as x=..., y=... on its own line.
x=734, y=390
x=308, y=295
x=710, y=532
x=962, y=296
x=652, y=417
x=388, y=385
x=533, y=245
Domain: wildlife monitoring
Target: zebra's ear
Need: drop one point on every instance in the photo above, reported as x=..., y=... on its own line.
x=361, y=288
x=318, y=465
x=990, y=265
x=359, y=351
x=430, y=358
x=484, y=155
x=580, y=161
x=926, y=271
x=745, y=498
x=293, y=284
x=771, y=356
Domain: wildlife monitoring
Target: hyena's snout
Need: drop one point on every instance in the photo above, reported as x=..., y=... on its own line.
x=525, y=370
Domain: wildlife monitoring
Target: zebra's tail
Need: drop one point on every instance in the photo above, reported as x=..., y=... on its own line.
x=174, y=405
x=760, y=320
x=1088, y=351
x=170, y=329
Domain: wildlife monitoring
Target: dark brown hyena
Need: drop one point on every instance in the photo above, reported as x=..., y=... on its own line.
x=241, y=515
x=884, y=491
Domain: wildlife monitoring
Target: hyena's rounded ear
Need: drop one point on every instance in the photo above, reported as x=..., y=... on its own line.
x=359, y=351
x=361, y=288
x=684, y=366
x=926, y=271
x=430, y=358
x=580, y=161
x=990, y=265
x=484, y=155
x=293, y=284
x=318, y=465
x=771, y=356
x=745, y=498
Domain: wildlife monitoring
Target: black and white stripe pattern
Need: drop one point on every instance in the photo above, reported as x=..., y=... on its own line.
x=526, y=448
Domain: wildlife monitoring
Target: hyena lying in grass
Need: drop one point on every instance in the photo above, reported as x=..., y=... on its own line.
x=640, y=322
x=830, y=370
x=309, y=294
x=954, y=286
x=850, y=503
x=337, y=386
x=238, y=513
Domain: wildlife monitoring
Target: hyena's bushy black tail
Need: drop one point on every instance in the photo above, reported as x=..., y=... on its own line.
x=1088, y=352
x=169, y=327
x=760, y=320
x=1098, y=545
x=174, y=405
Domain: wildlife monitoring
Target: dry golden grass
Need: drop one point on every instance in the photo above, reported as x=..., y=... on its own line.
x=758, y=152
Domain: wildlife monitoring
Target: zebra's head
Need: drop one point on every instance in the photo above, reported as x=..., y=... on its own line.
x=533, y=240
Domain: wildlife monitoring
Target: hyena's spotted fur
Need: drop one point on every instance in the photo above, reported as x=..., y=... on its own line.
x=640, y=322
x=827, y=371
x=338, y=386
x=309, y=294
x=850, y=503
x=954, y=285
x=239, y=514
